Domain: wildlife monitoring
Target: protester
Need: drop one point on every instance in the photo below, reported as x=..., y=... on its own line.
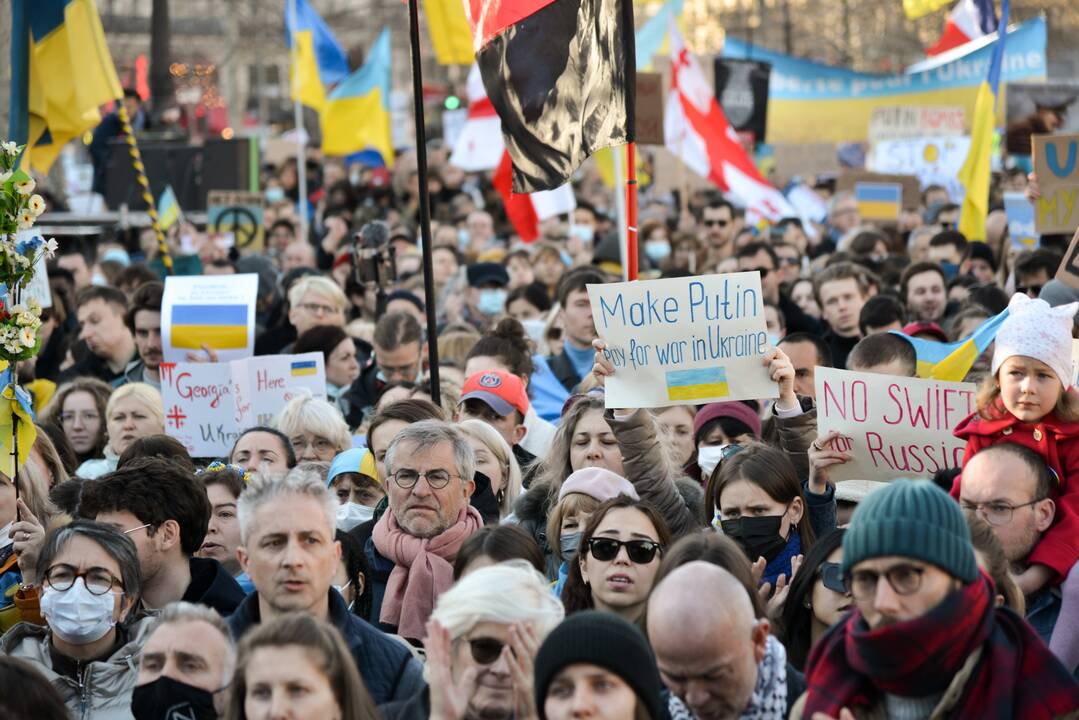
x=101, y=312
x=494, y=544
x=398, y=356
x=841, y=292
x=496, y=465
x=676, y=422
x=817, y=600
x=289, y=551
x=575, y=361
x=25, y=692
x=314, y=301
x=353, y=476
x=715, y=549
x=390, y=420
x=922, y=290
x=264, y=450
x=497, y=398
x=339, y=359
x=885, y=353
x=24, y=517
x=134, y=411
x=79, y=407
x=224, y=484
x=144, y=321
x=315, y=429
x=807, y=352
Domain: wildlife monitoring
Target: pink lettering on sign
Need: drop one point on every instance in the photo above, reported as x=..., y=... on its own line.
x=933, y=408
x=263, y=381
x=189, y=391
x=912, y=458
x=852, y=402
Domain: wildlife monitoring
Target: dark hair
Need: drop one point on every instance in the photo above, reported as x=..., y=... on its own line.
x=918, y=269
x=990, y=296
x=824, y=353
x=105, y=293
x=146, y=297
x=286, y=444
x=880, y=311
x=954, y=238
x=576, y=280
x=356, y=569
x=409, y=411
x=154, y=490
x=65, y=495
x=752, y=248
x=24, y=692
x=996, y=563
x=534, y=293
x=321, y=338
x=865, y=242
x=396, y=329
x=227, y=477
x=576, y=595
x=68, y=458
x=157, y=446
x=282, y=222
x=716, y=549
x=118, y=545
x=718, y=203
x=1031, y=262
x=500, y=543
x=509, y=343
x=135, y=276
x=1035, y=463
x=881, y=348
x=98, y=390
x=845, y=270
x=796, y=621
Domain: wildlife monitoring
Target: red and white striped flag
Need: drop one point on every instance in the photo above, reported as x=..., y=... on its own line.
x=479, y=145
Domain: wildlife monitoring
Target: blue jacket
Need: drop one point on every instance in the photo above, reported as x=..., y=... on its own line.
x=388, y=669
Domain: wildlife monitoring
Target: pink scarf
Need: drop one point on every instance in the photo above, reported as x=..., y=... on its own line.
x=423, y=569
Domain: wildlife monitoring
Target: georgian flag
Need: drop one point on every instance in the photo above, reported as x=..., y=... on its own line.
x=479, y=146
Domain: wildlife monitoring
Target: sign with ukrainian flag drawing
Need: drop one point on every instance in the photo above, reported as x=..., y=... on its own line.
x=683, y=341
x=216, y=311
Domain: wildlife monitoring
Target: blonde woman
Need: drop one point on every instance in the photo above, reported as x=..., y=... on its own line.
x=315, y=428
x=134, y=411
x=495, y=459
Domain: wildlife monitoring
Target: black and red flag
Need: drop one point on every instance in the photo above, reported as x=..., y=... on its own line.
x=561, y=74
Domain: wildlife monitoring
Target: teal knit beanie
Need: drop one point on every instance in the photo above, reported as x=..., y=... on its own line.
x=914, y=519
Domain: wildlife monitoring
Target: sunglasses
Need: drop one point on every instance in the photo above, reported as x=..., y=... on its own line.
x=832, y=577
x=716, y=223
x=1034, y=290
x=640, y=552
x=485, y=650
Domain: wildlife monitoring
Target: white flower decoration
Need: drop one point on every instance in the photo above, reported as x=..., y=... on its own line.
x=26, y=221
x=27, y=337
x=5, y=175
x=33, y=304
x=26, y=186
x=50, y=248
x=36, y=205
x=10, y=148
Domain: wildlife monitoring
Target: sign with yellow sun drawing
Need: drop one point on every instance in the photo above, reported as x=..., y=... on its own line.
x=935, y=161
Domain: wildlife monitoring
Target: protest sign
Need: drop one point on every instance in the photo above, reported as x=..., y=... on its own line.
x=802, y=160
x=1068, y=272
x=208, y=405
x=911, y=188
x=1056, y=162
x=1020, y=212
x=649, y=108
x=215, y=310
x=38, y=287
x=236, y=213
x=934, y=161
x=892, y=426
x=905, y=122
x=683, y=341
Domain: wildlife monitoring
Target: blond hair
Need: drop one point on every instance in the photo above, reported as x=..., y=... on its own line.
x=320, y=285
x=991, y=406
x=498, y=446
x=304, y=413
x=148, y=395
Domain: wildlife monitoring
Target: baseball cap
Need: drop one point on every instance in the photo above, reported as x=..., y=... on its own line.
x=504, y=392
x=487, y=273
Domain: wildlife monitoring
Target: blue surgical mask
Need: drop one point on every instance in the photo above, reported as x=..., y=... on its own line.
x=274, y=194
x=657, y=250
x=569, y=544
x=492, y=301
x=463, y=239
x=583, y=232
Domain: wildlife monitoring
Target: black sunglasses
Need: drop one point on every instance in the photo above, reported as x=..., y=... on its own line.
x=485, y=650
x=640, y=552
x=1029, y=290
x=831, y=576
x=720, y=223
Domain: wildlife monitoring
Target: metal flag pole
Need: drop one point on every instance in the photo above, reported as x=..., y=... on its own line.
x=297, y=114
x=629, y=60
x=425, y=208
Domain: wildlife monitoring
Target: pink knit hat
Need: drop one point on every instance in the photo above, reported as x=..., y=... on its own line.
x=597, y=483
x=1036, y=330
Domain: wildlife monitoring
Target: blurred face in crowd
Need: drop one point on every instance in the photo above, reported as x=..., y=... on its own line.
x=511, y=427
x=803, y=356
x=789, y=262
x=191, y=652
x=223, y=534
x=425, y=511
x=895, y=589
x=796, y=236
x=548, y=268
x=845, y=214
x=444, y=264
x=260, y=452
x=745, y=499
x=403, y=363
x=803, y=296
x=310, y=446
x=684, y=255
x=291, y=555
x=480, y=228
x=284, y=682
x=620, y=585
x=521, y=309
x=926, y=298
x=280, y=238
x=594, y=445
x=1002, y=490
x=841, y=302
x=981, y=270
x=520, y=271
x=773, y=323
x=718, y=228
x=763, y=262
x=945, y=254
x=148, y=337
x=341, y=365
x=315, y=309
x=677, y=422
x=130, y=420
x=918, y=246
x=101, y=326
x=488, y=464
x=1031, y=283
x=493, y=698
x=380, y=441
x=298, y=254
x=577, y=319
x=582, y=690
x=75, y=263
x=81, y=421
x=828, y=606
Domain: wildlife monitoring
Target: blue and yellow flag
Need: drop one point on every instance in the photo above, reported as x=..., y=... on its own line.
x=651, y=39
x=451, y=35
x=318, y=61
x=61, y=74
x=16, y=406
x=952, y=361
x=168, y=208
x=974, y=175
x=357, y=112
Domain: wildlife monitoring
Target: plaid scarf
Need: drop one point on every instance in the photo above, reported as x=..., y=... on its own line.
x=852, y=666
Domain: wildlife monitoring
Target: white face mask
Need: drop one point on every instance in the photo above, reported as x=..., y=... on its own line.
x=351, y=514
x=76, y=615
x=535, y=328
x=4, y=532
x=709, y=457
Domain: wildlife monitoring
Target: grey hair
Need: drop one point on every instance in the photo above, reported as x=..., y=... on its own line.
x=916, y=233
x=427, y=433
x=184, y=612
x=299, y=481
x=833, y=203
x=119, y=547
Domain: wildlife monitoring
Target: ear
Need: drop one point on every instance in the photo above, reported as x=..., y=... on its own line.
x=760, y=639
x=361, y=584
x=337, y=550
x=241, y=555
x=1044, y=512
x=169, y=534
x=293, y=313
x=797, y=509
x=519, y=433
x=127, y=603
x=469, y=487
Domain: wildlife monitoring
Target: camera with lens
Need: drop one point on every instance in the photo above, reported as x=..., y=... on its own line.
x=374, y=257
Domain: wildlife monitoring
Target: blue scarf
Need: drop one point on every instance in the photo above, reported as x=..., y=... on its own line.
x=781, y=563
x=582, y=360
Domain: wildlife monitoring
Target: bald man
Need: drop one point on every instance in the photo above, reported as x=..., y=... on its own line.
x=716, y=658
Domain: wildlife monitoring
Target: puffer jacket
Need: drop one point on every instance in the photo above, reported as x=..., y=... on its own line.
x=793, y=435
x=103, y=688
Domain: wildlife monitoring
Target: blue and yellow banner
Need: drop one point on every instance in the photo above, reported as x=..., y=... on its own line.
x=357, y=112
x=952, y=361
x=168, y=208
x=813, y=102
x=697, y=384
x=878, y=201
x=318, y=61
x=222, y=327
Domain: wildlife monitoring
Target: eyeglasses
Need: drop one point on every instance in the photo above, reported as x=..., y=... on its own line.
x=86, y=418
x=763, y=271
x=640, y=552
x=716, y=223
x=831, y=575
x=97, y=580
x=140, y=527
x=1034, y=290
x=996, y=513
x=406, y=478
x=904, y=579
x=318, y=308
x=485, y=650
x=320, y=445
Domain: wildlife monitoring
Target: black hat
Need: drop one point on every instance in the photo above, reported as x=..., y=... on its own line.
x=982, y=251
x=606, y=640
x=487, y=273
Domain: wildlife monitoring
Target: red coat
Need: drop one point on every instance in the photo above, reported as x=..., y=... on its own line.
x=1058, y=444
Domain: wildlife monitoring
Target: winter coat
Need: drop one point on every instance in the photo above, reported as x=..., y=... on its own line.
x=793, y=435
x=213, y=587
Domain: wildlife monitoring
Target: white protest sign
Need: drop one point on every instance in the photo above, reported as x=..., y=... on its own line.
x=935, y=161
x=895, y=122
x=892, y=426
x=683, y=341
x=208, y=405
x=215, y=310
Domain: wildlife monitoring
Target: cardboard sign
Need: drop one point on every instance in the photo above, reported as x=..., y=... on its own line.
x=683, y=341
x=649, y=107
x=1020, y=212
x=208, y=405
x=902, y=122
x=216, y=310
x=1056, y=162
x=892, y=426
x=909, y=183
x=236, y=213
x=934, y=161
x=803, y=160
x=1068, y=272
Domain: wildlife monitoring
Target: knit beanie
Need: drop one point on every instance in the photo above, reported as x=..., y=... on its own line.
x=598, y=483
x=735, y=410
x=607, y=641
x=912, y=519
x=1034, y=329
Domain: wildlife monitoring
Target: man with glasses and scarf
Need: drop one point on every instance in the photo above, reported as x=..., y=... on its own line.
x=925, y=638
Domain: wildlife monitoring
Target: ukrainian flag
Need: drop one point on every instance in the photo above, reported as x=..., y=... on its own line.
x=974, y=175
x=304, y=367
x=450, y=32
x=878, y=201
x=222, y=327
x=357, y=112
x=952, y=361
x=318, y=62
x=61, y=73
x=168, y=208
x=698, y=384
x=651, y=39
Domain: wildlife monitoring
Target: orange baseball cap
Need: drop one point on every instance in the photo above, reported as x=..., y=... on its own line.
x=504, y=392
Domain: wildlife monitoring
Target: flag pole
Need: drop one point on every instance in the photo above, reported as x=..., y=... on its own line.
x=631, y=208
x=297, y=115
x=425, y=208
x=629, y=60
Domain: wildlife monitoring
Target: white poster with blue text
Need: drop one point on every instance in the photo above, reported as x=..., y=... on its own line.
x=683, y=341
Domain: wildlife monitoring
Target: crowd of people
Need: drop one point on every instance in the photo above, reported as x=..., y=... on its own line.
x=503, y=546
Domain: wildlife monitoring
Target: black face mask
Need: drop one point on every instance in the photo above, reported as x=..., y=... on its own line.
x=758, y=536
x=484, y=500
x=168, y=699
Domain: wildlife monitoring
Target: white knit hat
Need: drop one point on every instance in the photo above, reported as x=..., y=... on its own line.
x=1034, y=329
